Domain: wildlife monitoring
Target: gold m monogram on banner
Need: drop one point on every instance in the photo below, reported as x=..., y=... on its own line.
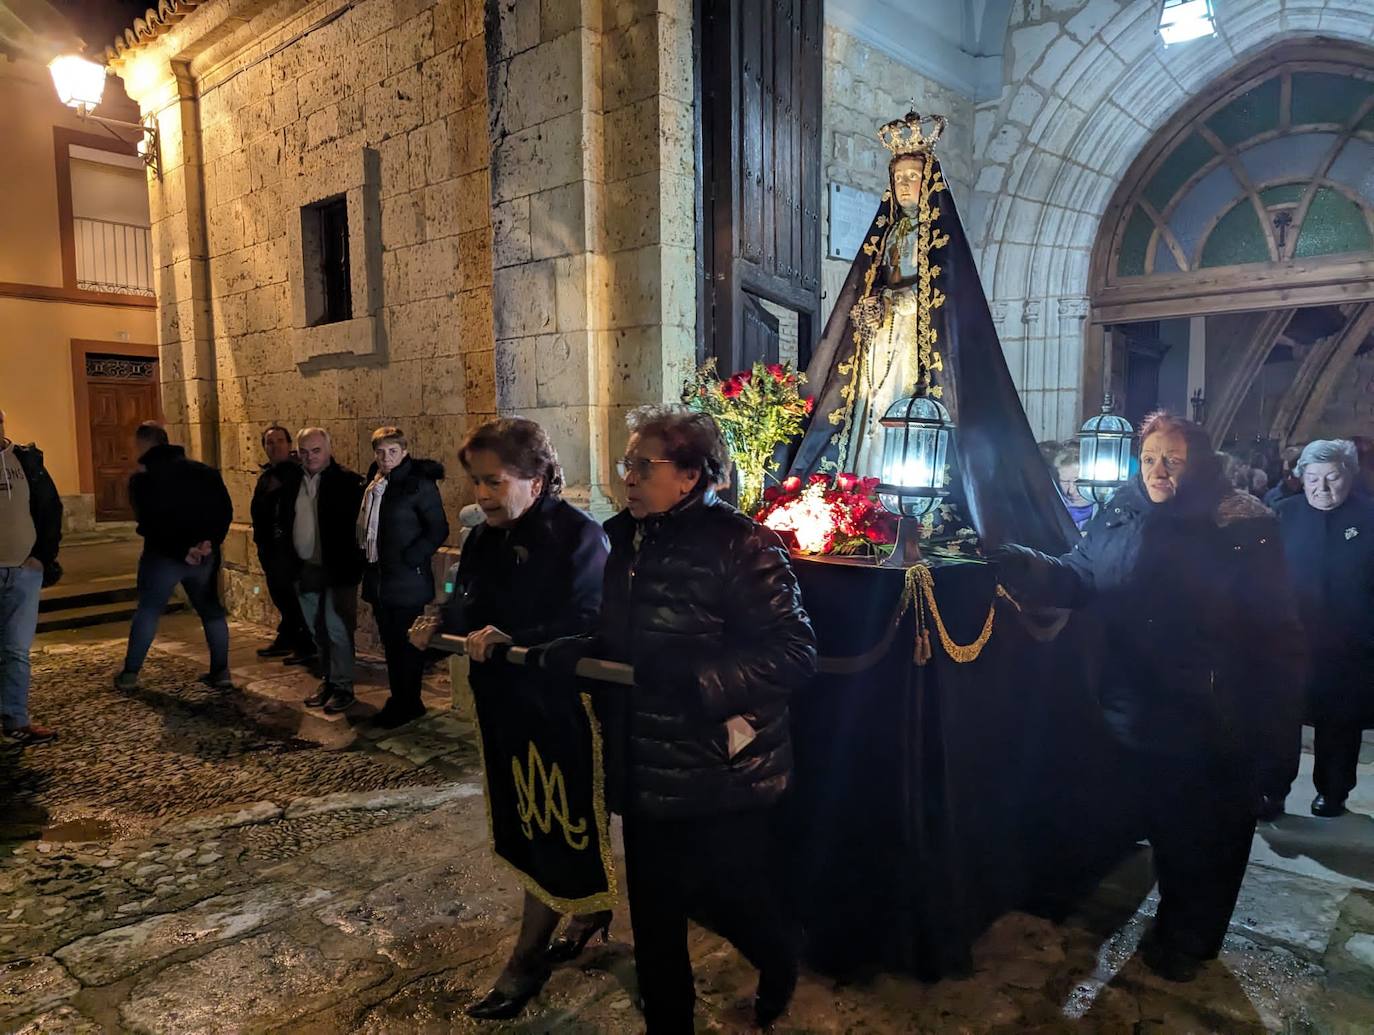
x=542, y=800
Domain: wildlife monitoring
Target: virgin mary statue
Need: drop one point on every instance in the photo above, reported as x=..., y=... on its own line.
x=912, y=319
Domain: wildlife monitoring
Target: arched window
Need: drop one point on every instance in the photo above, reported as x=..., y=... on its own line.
x=1278, y=166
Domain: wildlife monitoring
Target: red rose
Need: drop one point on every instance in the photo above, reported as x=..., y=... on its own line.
x=732, y=388
x=778, y=371
x=818, y=479
x=846, y=482
x=771, y=493
x=810, y=403
x=870, y=486
x=792, y=485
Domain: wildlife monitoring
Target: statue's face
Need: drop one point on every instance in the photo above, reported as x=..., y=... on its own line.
x=906, y=181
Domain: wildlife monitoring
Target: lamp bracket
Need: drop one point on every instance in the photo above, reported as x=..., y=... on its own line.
x=151, y=153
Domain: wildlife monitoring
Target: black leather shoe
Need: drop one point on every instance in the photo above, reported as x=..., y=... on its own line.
x=321, y=696
x=504, y=1004
x=1270, y=808
x=1328, y=808
x=341, y=701
x=577, y=934
x=299, y=659
x=393, y=715
x=774, y=995
x=1169, y=963
x=218, y=680
x=275, y=649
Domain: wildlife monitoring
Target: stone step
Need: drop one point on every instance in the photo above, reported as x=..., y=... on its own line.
x=95, y=614
x=62, y=597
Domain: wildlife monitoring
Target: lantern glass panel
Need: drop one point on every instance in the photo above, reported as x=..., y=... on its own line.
x=915, y=456
x=80, y=83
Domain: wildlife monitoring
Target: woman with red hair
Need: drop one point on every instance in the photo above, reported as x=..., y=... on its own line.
x=1206, y=660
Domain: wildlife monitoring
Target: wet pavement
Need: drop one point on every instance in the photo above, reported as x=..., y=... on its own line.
x=188, y=861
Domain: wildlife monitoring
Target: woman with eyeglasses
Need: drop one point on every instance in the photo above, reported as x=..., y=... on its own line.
x=702, y=601
x=1206, y=657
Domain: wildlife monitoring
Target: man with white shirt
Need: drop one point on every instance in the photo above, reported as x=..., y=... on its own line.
x=317, y=515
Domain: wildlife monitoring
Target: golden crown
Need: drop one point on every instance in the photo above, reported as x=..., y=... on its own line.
x=913, y=135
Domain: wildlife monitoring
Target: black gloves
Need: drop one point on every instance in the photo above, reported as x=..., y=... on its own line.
x=560, y=657
x=1019, y=567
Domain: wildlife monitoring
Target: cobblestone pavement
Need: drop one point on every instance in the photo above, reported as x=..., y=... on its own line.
x=237, y=881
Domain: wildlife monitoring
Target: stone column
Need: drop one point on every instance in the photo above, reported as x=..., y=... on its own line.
x=592, y=187
x=186, y=331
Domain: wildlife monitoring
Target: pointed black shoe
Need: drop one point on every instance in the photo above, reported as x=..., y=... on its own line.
x=341, y=701
x=1328, y=808
x=321, y=696
x=578, y=933
x=276, y=649
x=1170, y=964
x=503, y=1005
x=774, y=995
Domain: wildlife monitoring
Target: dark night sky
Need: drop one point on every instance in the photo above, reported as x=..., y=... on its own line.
x=98, y=21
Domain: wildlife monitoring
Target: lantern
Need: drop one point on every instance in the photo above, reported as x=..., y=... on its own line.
x=914, y=472
x=1104, y=454
x=80, y=83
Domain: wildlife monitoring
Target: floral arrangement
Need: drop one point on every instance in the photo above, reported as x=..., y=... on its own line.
x=757, y=410
x=825, y=516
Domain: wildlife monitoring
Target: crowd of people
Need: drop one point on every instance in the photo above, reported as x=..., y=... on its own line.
x=1229, y=624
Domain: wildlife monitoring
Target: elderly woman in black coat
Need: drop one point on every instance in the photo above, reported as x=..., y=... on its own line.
x=1328, y=535
x=702, y=601
x=530, y=572
x=401, y=525
x=1206, y=654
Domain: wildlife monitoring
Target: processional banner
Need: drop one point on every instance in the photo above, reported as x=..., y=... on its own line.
x=545, y=788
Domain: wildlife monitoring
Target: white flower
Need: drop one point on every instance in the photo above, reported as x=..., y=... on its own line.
x=1351, y=533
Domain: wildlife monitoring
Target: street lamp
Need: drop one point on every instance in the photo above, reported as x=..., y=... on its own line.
x=914, y=468
x=1184, y=20
x=80, y=85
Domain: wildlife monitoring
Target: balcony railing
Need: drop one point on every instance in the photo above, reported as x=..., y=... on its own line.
x=113, y=257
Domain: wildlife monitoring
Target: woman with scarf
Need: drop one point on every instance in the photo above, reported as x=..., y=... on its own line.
x=401, y=525
x=1206, y=653
x=529, y=573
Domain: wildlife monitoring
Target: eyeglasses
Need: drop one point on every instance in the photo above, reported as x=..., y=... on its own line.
x=642, y=466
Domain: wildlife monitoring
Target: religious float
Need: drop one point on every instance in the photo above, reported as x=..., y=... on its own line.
x=950, y=762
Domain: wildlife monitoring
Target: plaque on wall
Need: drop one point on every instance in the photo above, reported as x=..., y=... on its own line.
x=851, y=213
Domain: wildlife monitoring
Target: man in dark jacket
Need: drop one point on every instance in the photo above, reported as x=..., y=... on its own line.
x=401, y=526
x=183, y=512
x=1328, y=535
x=293, y=640
x=1206, y=656
x=316, y=519
x=30, y=531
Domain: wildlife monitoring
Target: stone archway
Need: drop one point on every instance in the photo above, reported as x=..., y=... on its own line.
x=1087, y=92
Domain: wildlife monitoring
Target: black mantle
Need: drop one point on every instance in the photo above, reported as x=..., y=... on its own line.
x=931, y=799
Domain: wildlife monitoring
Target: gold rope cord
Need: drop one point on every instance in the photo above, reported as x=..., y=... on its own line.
x=920, y=593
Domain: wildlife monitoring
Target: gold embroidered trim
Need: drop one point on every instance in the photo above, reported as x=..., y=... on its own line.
x=589, y=903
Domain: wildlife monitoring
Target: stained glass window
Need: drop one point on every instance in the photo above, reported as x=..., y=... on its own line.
x=1214, y=195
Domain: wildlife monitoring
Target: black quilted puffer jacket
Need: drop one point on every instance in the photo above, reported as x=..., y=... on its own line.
x=702, y=601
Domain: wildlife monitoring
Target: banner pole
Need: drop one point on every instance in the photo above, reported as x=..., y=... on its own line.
x=587, y=668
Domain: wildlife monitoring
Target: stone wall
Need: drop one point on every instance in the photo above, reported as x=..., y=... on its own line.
x=593, y=186
x=278, y=106
x=863, y=89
